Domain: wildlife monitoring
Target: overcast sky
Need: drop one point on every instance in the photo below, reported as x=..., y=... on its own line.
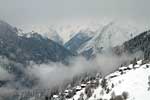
x=40, y=12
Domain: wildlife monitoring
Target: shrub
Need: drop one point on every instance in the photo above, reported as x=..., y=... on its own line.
x=46, y=98
x=102, y=92
x=148, y=83
x=107, y=90
x=113, y=94
x=119, y=97
x=112, y=86
x=81, y=96
x=97, y=83
x=88, y=91
x=104, y=83
x=125, y=95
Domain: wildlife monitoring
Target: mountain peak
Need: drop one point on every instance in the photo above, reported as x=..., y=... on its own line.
x=7, y=30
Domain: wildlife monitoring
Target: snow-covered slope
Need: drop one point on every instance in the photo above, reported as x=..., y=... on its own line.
x=77, y=41
x=111, y=35
x=131, y=82
x=53, y=35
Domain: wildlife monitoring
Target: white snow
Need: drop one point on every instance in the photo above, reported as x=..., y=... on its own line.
x=134, y=82
x=110, y=35
x=78, y=88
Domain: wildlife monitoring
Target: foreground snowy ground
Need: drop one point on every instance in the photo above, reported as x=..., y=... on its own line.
x=133, y=80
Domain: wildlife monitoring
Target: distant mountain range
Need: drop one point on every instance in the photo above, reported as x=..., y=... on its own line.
x=34, y=47
x=106, y=38
x=29, y=47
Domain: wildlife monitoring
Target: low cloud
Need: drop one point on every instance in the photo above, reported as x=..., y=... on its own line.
x=54, y=74
x=4, y=75
x=47, y=76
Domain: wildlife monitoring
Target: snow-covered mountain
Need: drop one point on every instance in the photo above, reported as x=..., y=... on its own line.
x=53, y=35
x=77, y=41
x=108, y=37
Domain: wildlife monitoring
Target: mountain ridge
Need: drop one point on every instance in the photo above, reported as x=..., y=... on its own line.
x=24, y=48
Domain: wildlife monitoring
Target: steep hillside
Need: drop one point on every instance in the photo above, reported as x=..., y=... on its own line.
x=77, y=41
x=108, y=37
x=31, y=47
x=138, y=43
x=130, y=82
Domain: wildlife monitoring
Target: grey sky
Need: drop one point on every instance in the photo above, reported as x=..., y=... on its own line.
x=28, y=12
